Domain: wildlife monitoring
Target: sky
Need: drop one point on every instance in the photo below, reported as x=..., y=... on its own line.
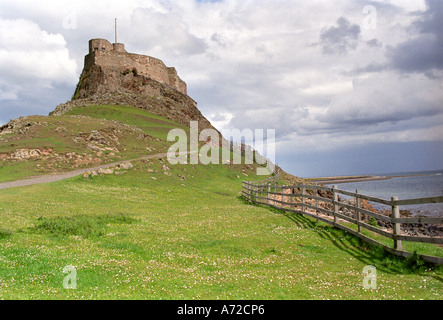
x=350, y=86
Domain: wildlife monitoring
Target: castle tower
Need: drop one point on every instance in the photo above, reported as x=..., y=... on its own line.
x=99, y=45
x=113, y=76
x=103, y=45
x=114, y=65
x=119, y=47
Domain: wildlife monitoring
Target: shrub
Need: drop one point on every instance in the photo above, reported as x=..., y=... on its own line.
x=4, y=233
x=82, y=225
x=415, y=264
x=373, y=222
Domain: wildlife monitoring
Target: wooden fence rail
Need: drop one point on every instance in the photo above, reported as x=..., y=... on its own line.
x=306, y=200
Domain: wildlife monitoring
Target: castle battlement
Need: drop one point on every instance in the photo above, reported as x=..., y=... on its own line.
x=113, y=58
x=113, y=76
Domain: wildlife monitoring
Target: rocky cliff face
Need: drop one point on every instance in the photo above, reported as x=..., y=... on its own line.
x=120, y=78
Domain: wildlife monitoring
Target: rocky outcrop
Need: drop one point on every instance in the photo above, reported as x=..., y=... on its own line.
x=20, y=125
x=22, y=154
x=168, y=103
x=113, y=77
x=413, y=229
x=102, y=143
x=118, y=170
x=113, y=58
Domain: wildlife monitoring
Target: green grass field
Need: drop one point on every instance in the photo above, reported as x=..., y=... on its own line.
x=150, y=123
x=186, y=235
x=133, y=237
x=58, y=133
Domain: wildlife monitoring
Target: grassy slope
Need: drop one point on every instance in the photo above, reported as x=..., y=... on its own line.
x=150, y=123
x=133, y=236
x=84, y=120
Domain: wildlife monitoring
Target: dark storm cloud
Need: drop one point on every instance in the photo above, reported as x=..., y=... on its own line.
x=341, y=38
x=417, y=55
x=424, y=52
x=431, y=22
x=219, y=117
x=374, y=43
x=373, y=67
x=169, y=29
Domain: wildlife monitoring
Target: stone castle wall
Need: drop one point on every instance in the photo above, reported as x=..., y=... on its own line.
x=114, y=58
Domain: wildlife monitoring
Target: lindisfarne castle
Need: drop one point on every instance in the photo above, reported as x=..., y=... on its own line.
x=113, y=58
x=113, y=76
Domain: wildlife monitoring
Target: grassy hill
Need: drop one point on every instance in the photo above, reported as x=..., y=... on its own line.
x=81, y=138
x=162, y=231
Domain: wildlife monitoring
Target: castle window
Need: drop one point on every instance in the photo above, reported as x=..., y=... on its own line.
x=103, y=48
x=95, y=49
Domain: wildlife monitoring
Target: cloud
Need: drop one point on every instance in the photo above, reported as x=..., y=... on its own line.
x=370, y=68
x=31, y=56
x=371, y=107
x=341, y=38
x=424, y=52
x=374, y=43
x=165, y=32
x=220, y=119
x=418, y=55
x=309, y=69
x=365, y=158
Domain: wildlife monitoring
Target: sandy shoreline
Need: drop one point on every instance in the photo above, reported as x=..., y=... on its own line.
x=345, y=179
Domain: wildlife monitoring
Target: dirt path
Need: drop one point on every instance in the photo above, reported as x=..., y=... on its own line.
x=70, y=174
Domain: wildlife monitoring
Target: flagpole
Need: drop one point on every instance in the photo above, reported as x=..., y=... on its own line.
x=115, y=30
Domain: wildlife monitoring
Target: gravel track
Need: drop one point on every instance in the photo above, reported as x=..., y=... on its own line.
x=70, y=174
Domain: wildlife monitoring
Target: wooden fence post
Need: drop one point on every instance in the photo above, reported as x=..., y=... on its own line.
x=254, y=190
x=357, y=204
x=303, y=199
x=334, y=202
x=316, y=205
x=396, y=225
x=260, y=193
x=282, y=197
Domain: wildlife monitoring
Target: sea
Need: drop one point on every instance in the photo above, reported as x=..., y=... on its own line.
x=404, y=185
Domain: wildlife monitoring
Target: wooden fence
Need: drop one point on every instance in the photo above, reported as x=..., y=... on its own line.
x=322, y=203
